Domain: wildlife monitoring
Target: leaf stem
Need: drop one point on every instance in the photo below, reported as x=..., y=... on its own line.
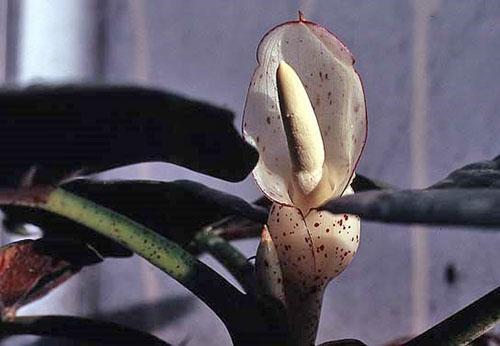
x=158, y=250
x=464, y=326
x=229, y=256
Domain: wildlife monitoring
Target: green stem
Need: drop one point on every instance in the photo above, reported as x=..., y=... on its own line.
x=464, y=326
x=229, y=256
x=161, y=252
x=164, y=254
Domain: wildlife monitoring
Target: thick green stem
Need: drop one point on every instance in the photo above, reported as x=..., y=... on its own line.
x=161, y=252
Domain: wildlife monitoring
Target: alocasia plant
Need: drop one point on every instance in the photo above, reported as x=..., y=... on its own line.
x=305, y=113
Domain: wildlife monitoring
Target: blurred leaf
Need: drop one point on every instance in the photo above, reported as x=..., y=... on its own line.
x=91, y=332
x=464, y=326
x=484, y=174
x=468, y=207
x=63, y=129
x=469, y=196
x=176, y=209
x=30, y=269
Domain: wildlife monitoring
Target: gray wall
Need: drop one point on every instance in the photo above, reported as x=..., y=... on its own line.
x=447, y=51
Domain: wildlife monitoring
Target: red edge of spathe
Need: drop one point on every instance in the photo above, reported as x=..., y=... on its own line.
x=365, y=136
x=362, y=148
x=307, y=22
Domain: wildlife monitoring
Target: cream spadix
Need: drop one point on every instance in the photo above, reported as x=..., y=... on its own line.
x=308, y=186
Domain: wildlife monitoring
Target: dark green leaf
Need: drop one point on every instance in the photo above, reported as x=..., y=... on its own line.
x=77, y=328
x=226, y=203
x=484, y=174
x=60, y=130
x=468, y=196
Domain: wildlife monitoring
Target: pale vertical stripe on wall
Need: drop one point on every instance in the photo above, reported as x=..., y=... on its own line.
x=141, y=50
x=418, y=130
x=138, y=21
x=57, y=41
x=3, y=40
x=57, y=44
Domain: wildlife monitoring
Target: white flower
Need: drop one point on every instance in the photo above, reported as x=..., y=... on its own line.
x=305, y=113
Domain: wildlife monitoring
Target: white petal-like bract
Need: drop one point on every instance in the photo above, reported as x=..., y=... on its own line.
x=325, y=67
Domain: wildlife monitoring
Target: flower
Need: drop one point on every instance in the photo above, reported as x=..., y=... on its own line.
x=305, y=113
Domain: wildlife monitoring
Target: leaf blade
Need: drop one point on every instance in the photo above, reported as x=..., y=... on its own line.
x=78, y=328
x=63, y=129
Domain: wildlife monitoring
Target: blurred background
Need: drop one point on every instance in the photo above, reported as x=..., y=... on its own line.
x=430, y=70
